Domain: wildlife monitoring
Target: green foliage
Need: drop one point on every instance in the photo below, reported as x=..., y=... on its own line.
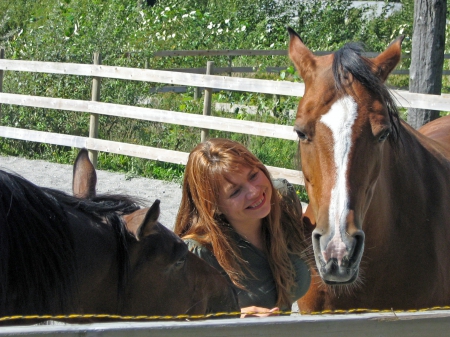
x=127, y=33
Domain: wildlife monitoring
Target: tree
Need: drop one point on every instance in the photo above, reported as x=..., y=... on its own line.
x=427, y=57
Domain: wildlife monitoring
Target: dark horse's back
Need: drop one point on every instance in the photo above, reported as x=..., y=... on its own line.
x=36, y=250
x=46, y=238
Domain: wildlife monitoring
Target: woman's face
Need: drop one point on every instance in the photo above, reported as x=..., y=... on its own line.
x=244, y=197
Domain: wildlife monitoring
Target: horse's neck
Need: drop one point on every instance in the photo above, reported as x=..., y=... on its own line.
x=96, y=248
x=414, y=156
x=413, y=172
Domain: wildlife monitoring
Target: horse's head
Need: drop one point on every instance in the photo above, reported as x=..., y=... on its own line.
x=163, y=277
x=167, y=279
x=342, y=121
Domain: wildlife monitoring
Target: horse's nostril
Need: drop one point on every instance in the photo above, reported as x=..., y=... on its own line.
x=358, y=247
x=316, y=236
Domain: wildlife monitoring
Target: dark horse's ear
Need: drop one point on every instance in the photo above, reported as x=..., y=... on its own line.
x=303, y=59
x=141, y=223
x=388, y=60
x=151, y=219
x=84, y=176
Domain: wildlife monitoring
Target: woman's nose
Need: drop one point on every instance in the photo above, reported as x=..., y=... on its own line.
x=252, y=191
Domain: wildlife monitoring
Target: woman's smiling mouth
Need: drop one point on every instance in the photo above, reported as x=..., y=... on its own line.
x=258, y=203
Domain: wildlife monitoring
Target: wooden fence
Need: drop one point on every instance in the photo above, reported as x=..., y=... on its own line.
x=204, y=122
x=406, y=324
x=424, y=323
x=230, y=69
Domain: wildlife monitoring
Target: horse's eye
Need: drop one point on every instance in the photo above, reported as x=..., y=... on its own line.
x=180, y=262
x=301, y=135
x=384, y=136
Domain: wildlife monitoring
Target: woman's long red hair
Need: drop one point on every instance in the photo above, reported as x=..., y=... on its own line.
x=198, y=216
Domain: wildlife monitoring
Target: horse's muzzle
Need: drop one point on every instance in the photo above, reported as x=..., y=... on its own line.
x=338, y=260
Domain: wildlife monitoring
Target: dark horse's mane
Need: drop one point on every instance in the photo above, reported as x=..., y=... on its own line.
x=37, y=258
x=348, y=59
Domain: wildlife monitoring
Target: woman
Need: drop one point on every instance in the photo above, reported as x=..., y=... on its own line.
x=232, y=216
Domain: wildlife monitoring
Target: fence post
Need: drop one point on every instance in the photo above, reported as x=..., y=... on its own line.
x=276, y=103
x=2, y=56
x=197, y=93
x=93, y=125
x=207, y=101
x=230, y=64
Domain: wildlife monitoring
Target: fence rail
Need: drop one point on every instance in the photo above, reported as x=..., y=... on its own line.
x=249, y=69
x=404, y=98
x=251, y=52
x=420, y=324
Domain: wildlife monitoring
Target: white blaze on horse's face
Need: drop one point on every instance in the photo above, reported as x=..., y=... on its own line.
x=339, y=119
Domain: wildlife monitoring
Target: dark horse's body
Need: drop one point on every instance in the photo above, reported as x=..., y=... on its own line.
x=64, y=255
x=379, y=190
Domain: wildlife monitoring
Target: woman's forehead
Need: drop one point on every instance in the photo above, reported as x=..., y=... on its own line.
x=233, y=177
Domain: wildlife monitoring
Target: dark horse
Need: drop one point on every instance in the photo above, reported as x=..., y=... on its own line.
x=62, y=254
x=379, y=190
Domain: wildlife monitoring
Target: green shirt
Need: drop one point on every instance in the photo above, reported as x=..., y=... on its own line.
x=260, y=289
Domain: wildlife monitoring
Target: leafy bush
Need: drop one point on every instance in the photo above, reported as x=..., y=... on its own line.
x=127, y=33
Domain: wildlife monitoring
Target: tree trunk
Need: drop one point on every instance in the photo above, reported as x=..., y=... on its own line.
x=427, y=57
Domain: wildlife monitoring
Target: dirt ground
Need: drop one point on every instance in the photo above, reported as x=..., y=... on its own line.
x=59, y=176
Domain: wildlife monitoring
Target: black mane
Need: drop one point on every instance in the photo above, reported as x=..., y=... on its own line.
x=348, y=59
x=37, y=259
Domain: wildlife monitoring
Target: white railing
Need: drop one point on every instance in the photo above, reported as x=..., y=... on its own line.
x=423, y=324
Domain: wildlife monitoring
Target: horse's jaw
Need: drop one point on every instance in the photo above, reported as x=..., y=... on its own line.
x=338, y=266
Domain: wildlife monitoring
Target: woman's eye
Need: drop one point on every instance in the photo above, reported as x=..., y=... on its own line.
x=253, y=175
x=235, y=193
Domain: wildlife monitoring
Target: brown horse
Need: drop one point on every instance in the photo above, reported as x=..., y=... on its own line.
x=62, y=255
x=379, y=190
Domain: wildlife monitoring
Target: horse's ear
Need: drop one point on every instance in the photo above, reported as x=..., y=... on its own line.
x=388, y=60
x=133, y=221
x=84, y=176
x=151, y=219
x=303, y=59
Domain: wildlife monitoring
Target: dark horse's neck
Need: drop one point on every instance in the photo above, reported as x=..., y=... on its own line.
x=41, y=231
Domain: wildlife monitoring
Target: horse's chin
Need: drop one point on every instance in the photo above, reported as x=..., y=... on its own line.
x=333, y=274
x=329, y=280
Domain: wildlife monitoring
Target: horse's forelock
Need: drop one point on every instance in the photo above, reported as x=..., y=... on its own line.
x=347, y=60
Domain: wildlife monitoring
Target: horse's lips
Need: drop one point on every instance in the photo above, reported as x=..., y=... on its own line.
x=346, y=273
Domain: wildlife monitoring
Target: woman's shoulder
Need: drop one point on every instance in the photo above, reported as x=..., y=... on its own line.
x=282, y=185
x=286, y=190
x=289, y=197
x=194, y=245
x=203, y=252
x=198, y=249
